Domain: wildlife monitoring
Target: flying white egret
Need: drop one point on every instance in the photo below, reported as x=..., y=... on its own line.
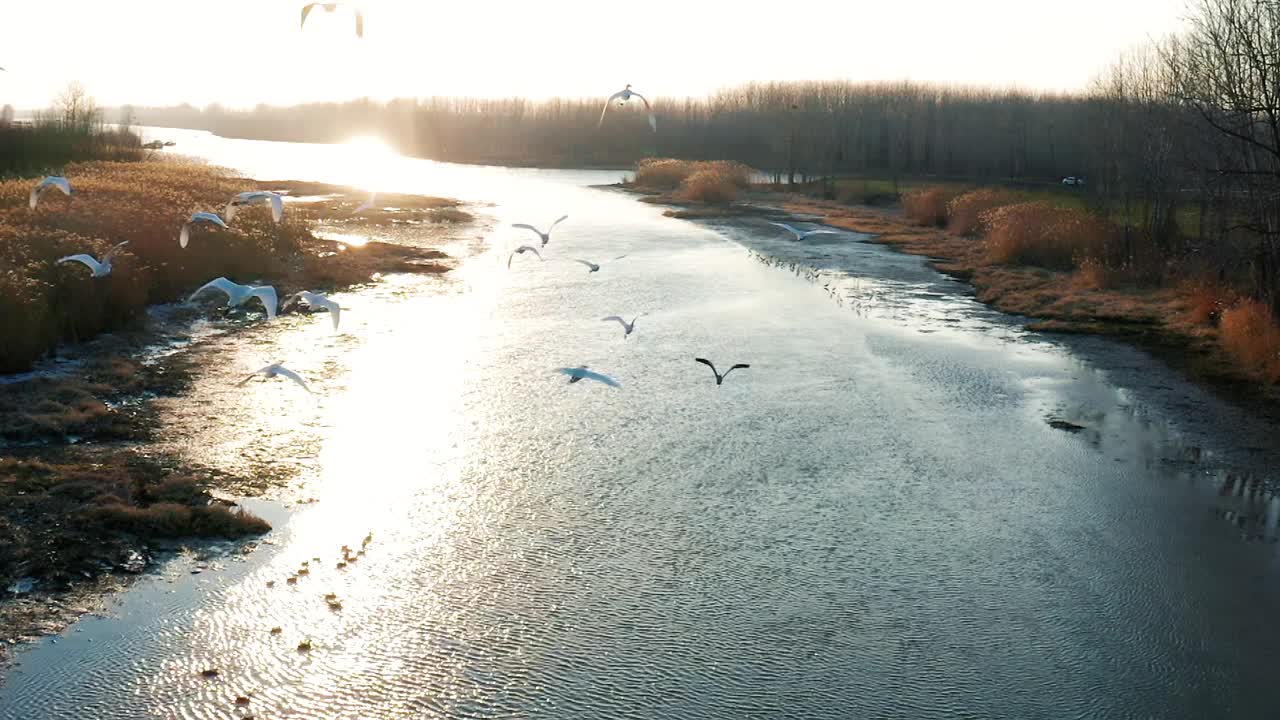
x=99, y=269
x=622, y=96
x=238, y=294
x=256, y=197
x=43, y=186
x=200, y=217
x=316, y=301
x=521, y=250
x=591, y=267
x=582, y=373
x=546, y=236
x=367, y=204
x=274, y=370
x=720, y=378
x=330, y=7
x=627, y=327
x=802, y=234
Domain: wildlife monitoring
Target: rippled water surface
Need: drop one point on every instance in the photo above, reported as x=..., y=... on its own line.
x=875, y=520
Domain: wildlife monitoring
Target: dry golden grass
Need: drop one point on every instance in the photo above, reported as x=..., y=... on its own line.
x=68, y=515
x=964, y=212
x=1250, y=334
x=662, y=173
x=927, y=206
x=708, y=186
x=145, y=203
x=1043, y=235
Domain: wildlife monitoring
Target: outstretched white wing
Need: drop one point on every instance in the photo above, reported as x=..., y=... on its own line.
x=620, y=321
x=819, y=231
x=594, y=267
x=525, y=226
x=609, y=102
x=557, y=222
x=185, y=236
x=52, y=181
x=653, y=120
x=277, y=207
x=286, y=372
x=789, y=229
x=523, y=249
x=267, y=295
x=316, y=300
x=232, y=290
x=584, y=374
x=113, y=252
x=90, y=261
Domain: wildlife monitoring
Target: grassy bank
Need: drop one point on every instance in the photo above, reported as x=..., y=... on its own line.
x=75, y=501
x=47, y=148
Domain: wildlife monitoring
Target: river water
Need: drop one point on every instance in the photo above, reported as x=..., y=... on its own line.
x=875, y=520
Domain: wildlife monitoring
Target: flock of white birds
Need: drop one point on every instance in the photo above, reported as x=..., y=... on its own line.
x=581, y=372
x=236, y=293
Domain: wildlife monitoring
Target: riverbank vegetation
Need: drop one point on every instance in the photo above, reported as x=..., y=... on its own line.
x=44, y=304
x=69, y=131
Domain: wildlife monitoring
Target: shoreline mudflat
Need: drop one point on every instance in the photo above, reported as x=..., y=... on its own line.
x=86, y=499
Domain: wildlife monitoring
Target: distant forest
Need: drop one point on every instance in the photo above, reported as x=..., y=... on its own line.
x=796, y=130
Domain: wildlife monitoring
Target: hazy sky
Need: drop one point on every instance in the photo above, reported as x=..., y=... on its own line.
x=242, y=52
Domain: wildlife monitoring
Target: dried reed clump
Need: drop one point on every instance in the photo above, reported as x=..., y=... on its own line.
x=1041, y=234
x=927, y=206
x=716, y=176
x=1250, y=335
x=965, y=211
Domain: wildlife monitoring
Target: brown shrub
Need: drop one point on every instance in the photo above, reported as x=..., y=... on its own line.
x=964, y=212
x=1208, y=300
x=927, y=206
x=1250, y=335
x=662, y=173
x=1041, y=234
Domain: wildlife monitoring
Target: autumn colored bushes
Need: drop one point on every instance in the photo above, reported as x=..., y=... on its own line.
x=1012, y=228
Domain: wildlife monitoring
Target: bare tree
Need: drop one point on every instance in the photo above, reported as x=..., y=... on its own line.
x=75, y=108
x=1227, y=69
